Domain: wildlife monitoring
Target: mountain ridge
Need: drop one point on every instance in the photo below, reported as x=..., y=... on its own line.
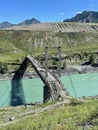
x=29, y=21
x=36, y=25
x=7, y=24
x=84, y=17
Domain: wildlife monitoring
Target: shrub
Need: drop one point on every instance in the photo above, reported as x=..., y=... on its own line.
x=3, y=68
x=75, y=102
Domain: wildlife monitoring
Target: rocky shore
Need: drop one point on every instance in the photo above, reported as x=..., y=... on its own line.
x=70, y=69
x=73, y=69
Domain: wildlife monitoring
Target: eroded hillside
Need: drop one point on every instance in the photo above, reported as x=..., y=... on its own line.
x=59, y=26
x=76, y=39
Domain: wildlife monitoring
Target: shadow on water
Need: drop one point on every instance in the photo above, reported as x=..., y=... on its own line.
x=17, y=93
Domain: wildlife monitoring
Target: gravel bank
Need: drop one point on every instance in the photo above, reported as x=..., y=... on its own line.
x=70, y=69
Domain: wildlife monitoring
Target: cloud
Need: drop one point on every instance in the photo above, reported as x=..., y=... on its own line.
x=90, y=5
x=61, y=13
x=78, y=12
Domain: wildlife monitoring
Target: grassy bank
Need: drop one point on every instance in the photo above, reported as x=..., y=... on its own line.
x=58, y=116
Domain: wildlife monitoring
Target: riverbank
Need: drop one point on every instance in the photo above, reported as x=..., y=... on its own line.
x=70, y=69
x=73, y=69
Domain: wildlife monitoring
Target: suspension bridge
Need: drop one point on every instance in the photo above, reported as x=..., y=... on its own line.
x=53, y=89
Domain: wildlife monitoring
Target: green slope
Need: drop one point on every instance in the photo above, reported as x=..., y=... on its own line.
x=57, y=116
x=15, y=45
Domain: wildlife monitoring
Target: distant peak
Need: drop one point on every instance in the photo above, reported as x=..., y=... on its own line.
x=29, y=21
x=85, y=16
x=7, y=24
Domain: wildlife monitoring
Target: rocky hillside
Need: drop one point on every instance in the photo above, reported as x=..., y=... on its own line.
x=85, y=17
x=15, y=44
x=78, y=40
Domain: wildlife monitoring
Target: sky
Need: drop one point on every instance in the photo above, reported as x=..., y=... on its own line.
x=16, y=11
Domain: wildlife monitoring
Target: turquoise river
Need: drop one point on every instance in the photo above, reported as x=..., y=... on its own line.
x=77, y=85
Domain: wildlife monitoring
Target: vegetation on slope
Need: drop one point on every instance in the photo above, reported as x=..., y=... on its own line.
x=58, y=116
x=76, y=46
x=13, y=43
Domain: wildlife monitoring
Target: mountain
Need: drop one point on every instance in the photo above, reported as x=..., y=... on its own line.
x=7, y=24
x=29, y=21
x=85, y=17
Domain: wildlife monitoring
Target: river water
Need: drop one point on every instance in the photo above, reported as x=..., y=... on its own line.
x=77, y=85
